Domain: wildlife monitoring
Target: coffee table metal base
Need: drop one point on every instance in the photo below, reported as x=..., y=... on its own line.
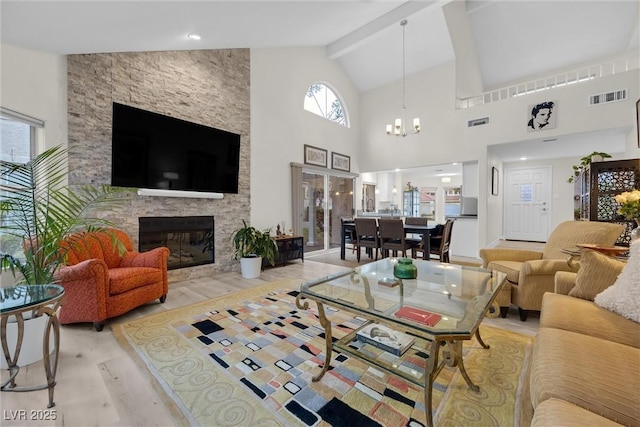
x=452, y=357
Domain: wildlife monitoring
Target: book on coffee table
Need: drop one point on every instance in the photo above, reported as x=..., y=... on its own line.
x=385, y=338
x=418, y=315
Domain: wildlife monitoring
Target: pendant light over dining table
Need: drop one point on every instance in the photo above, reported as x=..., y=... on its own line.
x=399, y=126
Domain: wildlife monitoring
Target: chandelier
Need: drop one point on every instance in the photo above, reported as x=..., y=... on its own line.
x=398, y=128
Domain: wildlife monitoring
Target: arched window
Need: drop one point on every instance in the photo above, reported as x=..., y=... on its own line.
x=321, y=100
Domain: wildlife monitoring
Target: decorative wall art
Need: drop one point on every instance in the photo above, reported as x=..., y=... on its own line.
x=315, y=156
x=541, y=116
x=638, y=121
x=340, y=162
x=495, y=179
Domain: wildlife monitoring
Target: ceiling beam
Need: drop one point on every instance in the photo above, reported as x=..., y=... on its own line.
x=361, y=36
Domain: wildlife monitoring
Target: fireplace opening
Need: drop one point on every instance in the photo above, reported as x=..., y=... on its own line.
x=189, y=238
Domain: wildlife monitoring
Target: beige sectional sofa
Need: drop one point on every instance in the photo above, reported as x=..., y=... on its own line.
x=586, y=361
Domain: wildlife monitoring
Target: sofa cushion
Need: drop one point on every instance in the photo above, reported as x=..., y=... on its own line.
x=624, y=296
x=510, y=268
x=556, y=412
x=597, y=272
x=598, y=375
x=585, y=317
x=124, y=279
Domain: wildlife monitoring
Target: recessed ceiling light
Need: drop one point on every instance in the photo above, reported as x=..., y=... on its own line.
x=194, y=36
x=523, y=158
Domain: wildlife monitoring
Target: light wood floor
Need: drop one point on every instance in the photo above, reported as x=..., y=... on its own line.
x=99, y=385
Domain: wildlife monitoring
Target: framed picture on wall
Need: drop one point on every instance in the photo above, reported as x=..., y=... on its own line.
x=495, y=179
x=315, y=156
x=638, y=121
x=340, y=162
x=541, y=116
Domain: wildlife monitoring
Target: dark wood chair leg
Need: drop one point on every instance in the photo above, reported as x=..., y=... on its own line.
x=504, y=311
x=523, y=314
x=98, y=325
x=163, y=298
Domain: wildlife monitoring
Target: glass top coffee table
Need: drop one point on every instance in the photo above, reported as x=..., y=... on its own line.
x=439, y=309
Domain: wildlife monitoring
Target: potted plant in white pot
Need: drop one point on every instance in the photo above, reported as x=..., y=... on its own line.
x=251, y=246
x=37, y=211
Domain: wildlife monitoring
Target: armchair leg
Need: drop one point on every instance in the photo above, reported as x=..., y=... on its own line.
x=98, y=325
x=523, y=314
x=503, y=312
x=163, y=298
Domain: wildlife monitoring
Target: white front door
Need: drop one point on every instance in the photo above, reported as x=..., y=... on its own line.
x=527, y=204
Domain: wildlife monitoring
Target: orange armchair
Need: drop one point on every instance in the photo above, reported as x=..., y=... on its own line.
x=101, y=282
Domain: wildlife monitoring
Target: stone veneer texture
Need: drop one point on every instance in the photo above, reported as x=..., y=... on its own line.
x=210, y=87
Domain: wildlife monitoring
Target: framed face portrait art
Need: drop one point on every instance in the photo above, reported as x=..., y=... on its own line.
x=541, y=116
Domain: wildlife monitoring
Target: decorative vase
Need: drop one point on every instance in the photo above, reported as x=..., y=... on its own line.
x=635, y=233
x=405, y=269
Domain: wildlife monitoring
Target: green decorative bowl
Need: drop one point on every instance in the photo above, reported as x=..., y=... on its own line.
x=405, y=269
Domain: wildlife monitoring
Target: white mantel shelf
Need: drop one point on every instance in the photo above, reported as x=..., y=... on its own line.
x=178, y=193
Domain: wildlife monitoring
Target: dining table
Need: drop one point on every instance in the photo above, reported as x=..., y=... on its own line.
x=422, y=230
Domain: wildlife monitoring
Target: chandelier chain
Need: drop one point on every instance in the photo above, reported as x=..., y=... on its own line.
x=404, y=74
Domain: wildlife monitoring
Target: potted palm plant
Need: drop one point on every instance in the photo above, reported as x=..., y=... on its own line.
x=38, y=210
x=251, y=246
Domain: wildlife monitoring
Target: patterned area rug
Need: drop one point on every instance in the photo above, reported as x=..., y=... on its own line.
x=247, y=359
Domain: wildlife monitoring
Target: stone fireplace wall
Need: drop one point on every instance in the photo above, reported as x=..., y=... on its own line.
x=209, y=87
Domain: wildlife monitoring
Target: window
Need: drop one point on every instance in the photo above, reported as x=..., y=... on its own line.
x=428, y=202
x=321, y=100
x=17, y=145
x=452, y=201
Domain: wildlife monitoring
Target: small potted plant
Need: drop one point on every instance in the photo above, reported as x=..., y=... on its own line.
x=251, y=246
x=596, y=156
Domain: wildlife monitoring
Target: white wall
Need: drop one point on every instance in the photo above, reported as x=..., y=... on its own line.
x=280, y=126
x=35, y=84
x=445, y=137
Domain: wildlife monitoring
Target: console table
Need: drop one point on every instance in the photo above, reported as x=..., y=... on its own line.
x=289, y=248
x=38, y=300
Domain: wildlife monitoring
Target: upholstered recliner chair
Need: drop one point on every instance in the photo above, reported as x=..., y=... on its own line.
x=531, y=273
x=102, y=279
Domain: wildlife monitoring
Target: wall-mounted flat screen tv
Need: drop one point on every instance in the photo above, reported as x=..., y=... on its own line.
x=151, y=150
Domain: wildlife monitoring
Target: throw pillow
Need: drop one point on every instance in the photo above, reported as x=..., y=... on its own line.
x=623, y=297
x=597, y=272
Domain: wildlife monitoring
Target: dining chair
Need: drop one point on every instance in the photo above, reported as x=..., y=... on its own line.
x=416, y=220
x=439, y=242
x=350, y=237
x=393, y=238
x=367, y=235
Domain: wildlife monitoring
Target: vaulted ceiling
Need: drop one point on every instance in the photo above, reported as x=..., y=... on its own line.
x=511, y=39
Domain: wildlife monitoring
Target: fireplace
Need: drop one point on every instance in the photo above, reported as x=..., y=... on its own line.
x=189, y=238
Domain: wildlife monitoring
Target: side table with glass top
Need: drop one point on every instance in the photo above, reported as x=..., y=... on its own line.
x=37, y=300
x=457, y=296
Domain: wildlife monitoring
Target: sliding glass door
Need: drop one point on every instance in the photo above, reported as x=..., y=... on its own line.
x=314, y=209
x=326, y=198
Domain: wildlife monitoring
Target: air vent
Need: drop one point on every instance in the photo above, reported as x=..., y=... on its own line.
x=478, y=122
x=618, y=95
